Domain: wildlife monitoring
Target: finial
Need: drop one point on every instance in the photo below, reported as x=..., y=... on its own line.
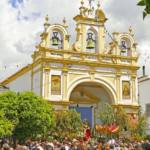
x=131, y=31
x=46, y=24
x=82, y=8
x=82, y=3
x=98, y=4
x=90, y=3
x=64, y=21
x=46, y=18
x=91, y=9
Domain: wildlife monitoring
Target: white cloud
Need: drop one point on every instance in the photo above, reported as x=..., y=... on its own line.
x=20, y=27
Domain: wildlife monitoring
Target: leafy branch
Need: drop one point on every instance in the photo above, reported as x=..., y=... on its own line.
x=146, y=4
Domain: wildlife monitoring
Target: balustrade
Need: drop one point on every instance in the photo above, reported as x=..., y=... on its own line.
x=84, y=56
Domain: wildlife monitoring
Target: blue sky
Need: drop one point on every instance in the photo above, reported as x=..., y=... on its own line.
x=15, y=3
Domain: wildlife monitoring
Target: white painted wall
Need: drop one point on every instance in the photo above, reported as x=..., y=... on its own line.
x=22, y=83
x=144, y=93
x=37, y=83
x=144, y=97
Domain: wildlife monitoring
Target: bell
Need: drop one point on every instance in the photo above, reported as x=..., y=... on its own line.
x=90, y=44
x=123, y=47
x=55, y=39
x=123, y=50
x=90, y=41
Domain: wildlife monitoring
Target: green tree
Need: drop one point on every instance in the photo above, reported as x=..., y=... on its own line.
x=9, y=106
x=122, y=118
x=67, y=124
x=110, y=114
x=107, y=114
x=35, y=116
x=138, y=130
x=29, y=114
x=6, y=126
x=142, y=125
x=146, y=4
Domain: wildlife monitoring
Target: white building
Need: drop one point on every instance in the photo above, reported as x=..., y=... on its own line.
x=144, y=96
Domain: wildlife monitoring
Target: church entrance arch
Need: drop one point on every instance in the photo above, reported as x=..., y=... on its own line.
x=87, y=97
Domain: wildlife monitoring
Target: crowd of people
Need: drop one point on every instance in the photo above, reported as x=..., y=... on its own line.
x=78, y=144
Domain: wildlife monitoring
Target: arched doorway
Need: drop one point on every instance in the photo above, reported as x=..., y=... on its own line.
x=87, y=98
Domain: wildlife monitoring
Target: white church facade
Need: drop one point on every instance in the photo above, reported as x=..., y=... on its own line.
x=86, y=73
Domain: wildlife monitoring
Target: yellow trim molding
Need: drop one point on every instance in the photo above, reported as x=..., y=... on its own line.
x=17, y=74
x=127, y=106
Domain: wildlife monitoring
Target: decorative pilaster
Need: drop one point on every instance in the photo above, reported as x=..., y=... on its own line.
x=101, y=39
x=41, y=79
x=46, y=83
x=64, y=83
x=134, y=88
x=118, y=76
x=83, y=41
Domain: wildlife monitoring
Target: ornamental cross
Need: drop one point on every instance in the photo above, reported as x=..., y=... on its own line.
x=90, y=3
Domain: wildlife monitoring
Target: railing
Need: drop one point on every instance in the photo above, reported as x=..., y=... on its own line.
x=82, y=56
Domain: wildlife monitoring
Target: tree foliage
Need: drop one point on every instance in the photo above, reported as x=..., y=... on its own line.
x=121, y=118
x=6, y=126
x=29, y=114
x=142, y=125
x=9, y=106
x=107, y=114
x=146, y=4
x=110, y=115
x=138, y=130
x=35, y=116
x=8, y=113
x=67, y=124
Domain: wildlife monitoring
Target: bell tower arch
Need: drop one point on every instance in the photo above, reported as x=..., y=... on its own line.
x=90, y=20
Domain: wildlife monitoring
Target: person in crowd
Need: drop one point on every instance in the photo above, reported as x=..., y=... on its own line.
x=80, y=144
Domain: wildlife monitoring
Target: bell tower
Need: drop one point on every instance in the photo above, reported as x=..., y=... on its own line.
x=90, y=29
